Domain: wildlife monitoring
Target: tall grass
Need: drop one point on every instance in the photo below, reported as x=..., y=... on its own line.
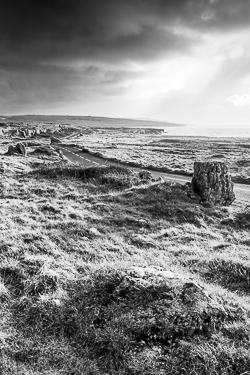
x=116, y=176
x=135, y=281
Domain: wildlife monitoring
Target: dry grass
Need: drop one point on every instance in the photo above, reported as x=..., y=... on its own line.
x=98, y=276
x=168, y=153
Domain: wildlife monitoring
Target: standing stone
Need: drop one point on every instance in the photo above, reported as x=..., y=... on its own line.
x=212, y=182
x=11, y=150
x=21, y=149
x=18, y=149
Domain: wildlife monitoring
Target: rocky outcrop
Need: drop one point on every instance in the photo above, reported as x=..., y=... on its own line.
x=44, y=150
x=18, y=149
x=11, y=150
x=25, y=132
x=54, y=140
x=212, y=182
x=142, y=130
x=21, y=149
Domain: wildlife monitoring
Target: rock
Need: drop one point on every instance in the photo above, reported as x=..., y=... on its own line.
x=95, y=232
x=2, y=167
x=11, y=150
x=84, y=149
x=60, y=153
x=45, y=150
x=54, y=140
x=142, y=222
x=17, y=150
x=190, y=192
x=145, y=175
x=32, y=144
x=218, y=156
x=145, y=272
x=21, y=149
x=158, y=179
x=212, y=182
x=22, y=133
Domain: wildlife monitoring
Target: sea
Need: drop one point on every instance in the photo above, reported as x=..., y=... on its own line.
x=208, y=131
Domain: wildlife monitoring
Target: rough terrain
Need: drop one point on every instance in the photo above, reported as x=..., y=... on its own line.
x=105, y=271
x=134, y=142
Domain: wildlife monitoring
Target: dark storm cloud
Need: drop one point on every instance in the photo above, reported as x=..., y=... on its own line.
x=44, y=30
x=63, y=50
x=27, y=85
x=51, y=30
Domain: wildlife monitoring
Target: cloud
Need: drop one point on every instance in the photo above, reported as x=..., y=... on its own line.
x=24, y=86
x=52, y=30
x=76, y=51
x=239, y=100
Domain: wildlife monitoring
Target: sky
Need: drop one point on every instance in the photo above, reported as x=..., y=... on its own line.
x=183, y=61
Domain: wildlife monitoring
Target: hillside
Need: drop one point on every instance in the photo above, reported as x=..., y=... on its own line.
x=89, y=121
x=104, y=271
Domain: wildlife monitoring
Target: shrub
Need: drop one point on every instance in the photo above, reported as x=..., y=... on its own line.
x=117, y=177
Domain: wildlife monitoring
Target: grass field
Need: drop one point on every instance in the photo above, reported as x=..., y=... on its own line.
x=103, y=272
x=169, y=153
x=133, y=142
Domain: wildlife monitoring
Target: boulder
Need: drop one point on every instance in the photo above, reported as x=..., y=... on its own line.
x=94, y=232
x=54, y=140
x=17, y=150
x=212, y=182
x=22, y=133
x=11, y=150
x=21, y=149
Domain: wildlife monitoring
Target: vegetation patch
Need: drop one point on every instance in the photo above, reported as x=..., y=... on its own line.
x=102, y=272
x=139, y=320
x=231, y=274
x=116, y=176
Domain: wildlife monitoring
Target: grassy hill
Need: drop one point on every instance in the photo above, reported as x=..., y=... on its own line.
x=103, y=272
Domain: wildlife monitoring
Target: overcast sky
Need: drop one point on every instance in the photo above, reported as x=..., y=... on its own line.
x=184, y=61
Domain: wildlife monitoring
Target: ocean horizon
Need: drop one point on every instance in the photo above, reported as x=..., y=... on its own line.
x=208, y=131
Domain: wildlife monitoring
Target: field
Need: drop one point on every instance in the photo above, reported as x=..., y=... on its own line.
x=167, y=153
x=106, y=271
x=139, y=143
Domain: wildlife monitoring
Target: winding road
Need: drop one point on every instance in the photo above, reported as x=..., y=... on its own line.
x=76, y=155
